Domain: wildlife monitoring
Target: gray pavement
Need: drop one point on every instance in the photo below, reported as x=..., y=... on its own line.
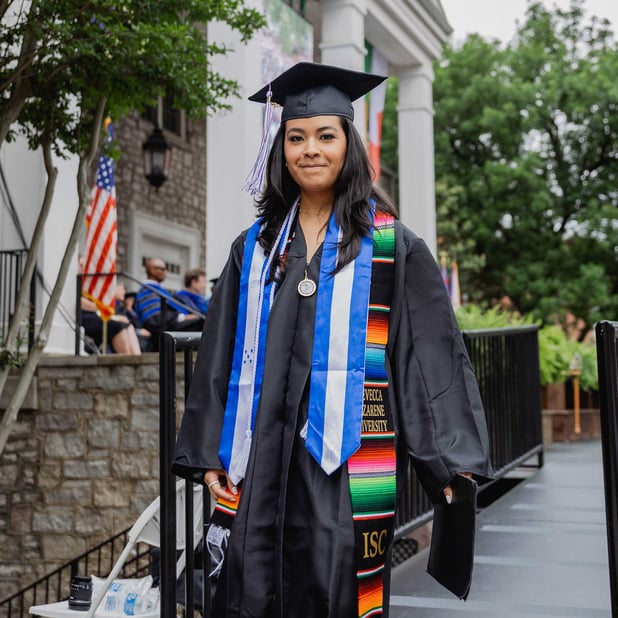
x=541, y=549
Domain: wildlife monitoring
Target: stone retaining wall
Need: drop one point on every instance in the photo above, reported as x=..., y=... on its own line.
x=81, y=466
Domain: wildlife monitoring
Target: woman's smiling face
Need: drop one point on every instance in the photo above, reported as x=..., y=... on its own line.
x=314, y=150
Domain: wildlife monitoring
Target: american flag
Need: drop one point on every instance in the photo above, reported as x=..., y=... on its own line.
x=455, y=290
x=444, y=270
x=102, y=235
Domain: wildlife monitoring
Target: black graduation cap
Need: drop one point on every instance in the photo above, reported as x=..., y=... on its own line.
x=308, y=89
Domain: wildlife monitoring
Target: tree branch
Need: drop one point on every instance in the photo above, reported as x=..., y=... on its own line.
x=25, y=379
x=96, y=132
x=4, y=5
x=604, y=157
x=17, y=98
x=554, y=138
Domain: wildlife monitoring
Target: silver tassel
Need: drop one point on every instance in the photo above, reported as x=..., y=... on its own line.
x=216, y=542
x=255, y=179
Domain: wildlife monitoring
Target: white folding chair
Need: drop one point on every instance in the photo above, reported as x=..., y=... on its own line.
x=147, y=529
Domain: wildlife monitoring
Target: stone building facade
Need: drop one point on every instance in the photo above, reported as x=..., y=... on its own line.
x=169, y=222
x=82, y=463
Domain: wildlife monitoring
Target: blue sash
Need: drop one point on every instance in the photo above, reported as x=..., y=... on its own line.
x=338, y=363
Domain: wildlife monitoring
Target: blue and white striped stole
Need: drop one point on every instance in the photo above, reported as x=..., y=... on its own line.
x=338, y=363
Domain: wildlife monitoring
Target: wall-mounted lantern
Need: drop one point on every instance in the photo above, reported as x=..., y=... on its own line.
x=157, y=155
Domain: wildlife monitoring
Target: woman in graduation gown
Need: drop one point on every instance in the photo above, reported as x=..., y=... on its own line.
x=329, y=327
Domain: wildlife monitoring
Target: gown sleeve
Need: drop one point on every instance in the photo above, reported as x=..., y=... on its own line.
x=197, y=445
x=440, y=413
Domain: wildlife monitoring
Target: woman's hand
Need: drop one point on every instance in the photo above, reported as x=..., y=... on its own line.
x=448, y=491
x=219, y=485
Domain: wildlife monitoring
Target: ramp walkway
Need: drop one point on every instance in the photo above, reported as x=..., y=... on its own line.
x=541, y=549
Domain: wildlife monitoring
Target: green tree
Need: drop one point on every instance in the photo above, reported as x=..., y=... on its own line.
x=526, y=144
x=64, y=65
x=390, y=141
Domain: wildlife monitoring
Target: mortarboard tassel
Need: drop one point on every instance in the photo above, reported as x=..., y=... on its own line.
x=216, y=542
x=255, y=179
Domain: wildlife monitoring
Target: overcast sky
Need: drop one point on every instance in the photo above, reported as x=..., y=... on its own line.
x=496, y=18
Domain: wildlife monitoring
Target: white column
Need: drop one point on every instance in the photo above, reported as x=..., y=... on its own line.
x=57, y=232
x=27, y=192
x=343, y=43
x=232, y=145
x=417, y=201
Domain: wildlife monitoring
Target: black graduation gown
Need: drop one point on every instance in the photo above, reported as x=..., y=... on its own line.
x=291, y=551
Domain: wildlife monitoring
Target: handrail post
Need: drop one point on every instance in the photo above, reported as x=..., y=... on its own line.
x=78, y=313
x=607, y=360
x=162, y=314
x=206, y=506
x=189, y=512
x=32, y=312
x=167, y=436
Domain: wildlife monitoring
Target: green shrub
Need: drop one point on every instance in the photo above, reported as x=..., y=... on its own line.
x=473, y=317
x=557, y=353
x=8, y=358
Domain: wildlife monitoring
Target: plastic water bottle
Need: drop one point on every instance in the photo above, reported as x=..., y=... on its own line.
x=136, y=604
x=113, y=598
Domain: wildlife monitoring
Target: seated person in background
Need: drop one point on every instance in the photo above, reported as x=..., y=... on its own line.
x=120, y=332
x=125, y=306
x=193, y=294
x=148, y=303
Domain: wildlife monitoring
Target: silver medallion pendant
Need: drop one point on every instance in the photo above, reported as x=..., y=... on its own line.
x=307, y=287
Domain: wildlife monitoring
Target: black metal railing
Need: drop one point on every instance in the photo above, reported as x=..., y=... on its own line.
x=506, y=365
x=97, y=561
x=12, y=265
x=607, y=360
x=171, y=344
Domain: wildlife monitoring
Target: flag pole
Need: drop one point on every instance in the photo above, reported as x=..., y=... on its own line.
x=455, y=288
x=444, y=270
x=104, y=338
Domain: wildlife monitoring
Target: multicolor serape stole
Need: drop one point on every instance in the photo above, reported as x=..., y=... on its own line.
x=372, y=469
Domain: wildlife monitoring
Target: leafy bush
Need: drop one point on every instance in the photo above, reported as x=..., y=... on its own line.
x=556, y=352
x=473, y=317
x=10, y=359
x=553, y=356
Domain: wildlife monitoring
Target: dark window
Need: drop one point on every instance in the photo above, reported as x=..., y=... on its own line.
x=172, y=118
x=150, y=114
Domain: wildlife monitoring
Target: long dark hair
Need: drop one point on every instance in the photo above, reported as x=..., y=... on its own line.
x=353, y=191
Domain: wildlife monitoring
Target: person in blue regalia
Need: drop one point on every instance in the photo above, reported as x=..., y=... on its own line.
x=192, y=295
